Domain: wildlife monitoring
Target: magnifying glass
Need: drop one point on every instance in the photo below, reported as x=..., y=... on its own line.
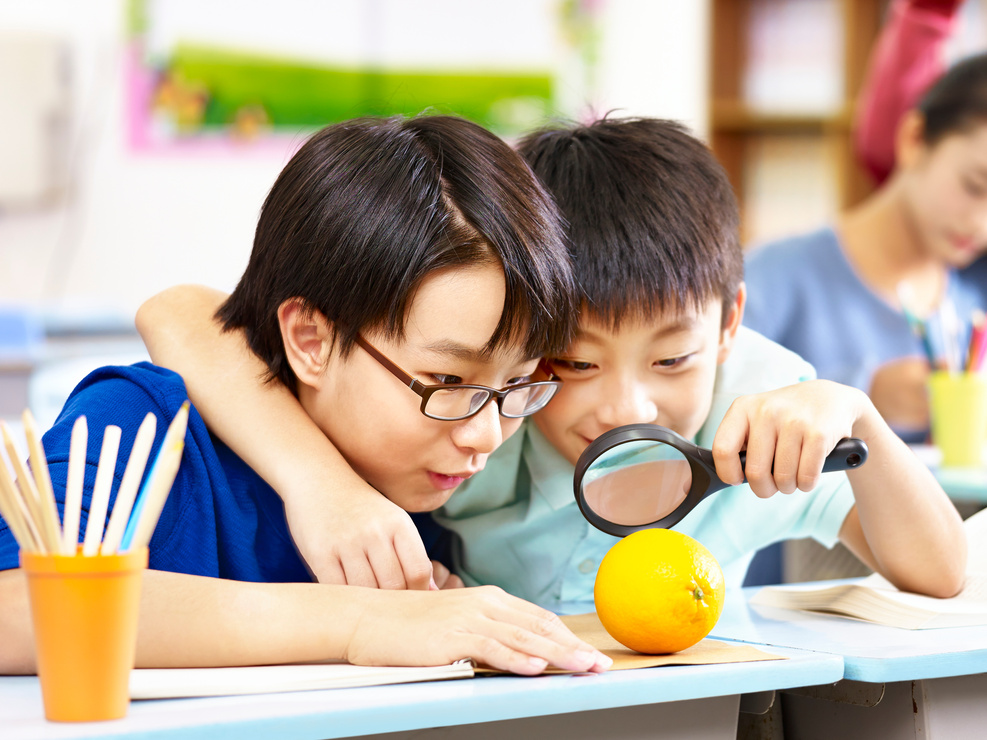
x=644, y=476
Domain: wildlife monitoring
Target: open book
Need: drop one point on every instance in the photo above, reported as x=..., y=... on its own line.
x=171, y=683
x=874, y=599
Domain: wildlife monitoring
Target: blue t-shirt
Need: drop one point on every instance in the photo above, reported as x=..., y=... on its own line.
x=220, y=519
x=803, y=293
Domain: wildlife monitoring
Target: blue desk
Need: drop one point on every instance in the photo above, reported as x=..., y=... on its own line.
x=675, y=700
x=907, y=683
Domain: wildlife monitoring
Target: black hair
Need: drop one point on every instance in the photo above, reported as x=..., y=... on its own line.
x=957, y=101
x=368, y=208
x=652, y=218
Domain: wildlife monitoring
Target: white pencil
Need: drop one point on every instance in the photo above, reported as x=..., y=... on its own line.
x=101, y=490
x=128, y=486
x=78, y=451
x=42, y=478
x=10, y=510
x=48, y=540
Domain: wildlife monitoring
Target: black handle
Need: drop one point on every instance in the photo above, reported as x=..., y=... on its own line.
x=848, y=454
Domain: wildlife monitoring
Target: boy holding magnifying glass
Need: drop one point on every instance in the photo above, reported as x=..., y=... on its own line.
x=653, y=233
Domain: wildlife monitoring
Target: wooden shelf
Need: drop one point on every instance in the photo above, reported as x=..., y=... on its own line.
x=740, y=132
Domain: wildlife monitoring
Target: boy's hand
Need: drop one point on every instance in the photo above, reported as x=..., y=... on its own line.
x=482, y=623
x=899, y=390
x=358, y=538
x=788, y=433
x=443, y=578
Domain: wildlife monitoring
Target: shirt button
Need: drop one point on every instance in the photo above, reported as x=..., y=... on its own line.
x=587, y=566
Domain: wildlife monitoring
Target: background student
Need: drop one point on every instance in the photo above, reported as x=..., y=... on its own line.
x=838, y=296
x=424, y=242
x=653, y=231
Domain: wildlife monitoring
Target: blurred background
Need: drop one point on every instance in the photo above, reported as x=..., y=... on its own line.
x=138, y=138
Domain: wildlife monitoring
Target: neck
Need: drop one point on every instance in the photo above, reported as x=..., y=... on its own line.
x=881, y=241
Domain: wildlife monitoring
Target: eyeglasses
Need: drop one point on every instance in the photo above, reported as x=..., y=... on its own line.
x=455, y=401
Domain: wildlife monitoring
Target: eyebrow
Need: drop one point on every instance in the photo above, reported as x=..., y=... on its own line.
x=681, y=325
x=465, y=352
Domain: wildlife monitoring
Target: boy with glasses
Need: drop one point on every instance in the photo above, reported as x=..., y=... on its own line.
x=426, y=241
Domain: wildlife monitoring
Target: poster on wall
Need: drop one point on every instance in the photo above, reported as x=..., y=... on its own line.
x=241, y=73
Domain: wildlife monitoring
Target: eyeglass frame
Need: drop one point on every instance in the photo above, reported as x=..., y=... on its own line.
x=427, y=391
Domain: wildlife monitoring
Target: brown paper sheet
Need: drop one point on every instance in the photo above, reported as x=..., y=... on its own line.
x=705, y=652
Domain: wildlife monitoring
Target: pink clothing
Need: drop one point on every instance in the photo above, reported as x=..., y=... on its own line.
x=907, y=58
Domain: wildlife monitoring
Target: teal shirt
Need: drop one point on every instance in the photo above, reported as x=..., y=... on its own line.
x=519, y=526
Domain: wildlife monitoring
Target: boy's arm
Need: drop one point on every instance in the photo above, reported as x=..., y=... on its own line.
x=907, y=58
x=188, y=621
x=346, y=531
x=903, y=525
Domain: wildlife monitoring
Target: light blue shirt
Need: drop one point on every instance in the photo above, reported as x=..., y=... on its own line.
x=804, y=294
x=520, y=528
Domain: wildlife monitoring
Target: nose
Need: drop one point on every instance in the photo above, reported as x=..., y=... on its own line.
x=481, y=433
x=627, y=401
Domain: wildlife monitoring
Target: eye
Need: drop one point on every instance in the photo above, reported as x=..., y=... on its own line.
x=445, y=379
x=571, y=366
x=973, y=188
x=673, y=362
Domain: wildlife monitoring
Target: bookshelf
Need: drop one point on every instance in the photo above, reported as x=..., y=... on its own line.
x=785, y=74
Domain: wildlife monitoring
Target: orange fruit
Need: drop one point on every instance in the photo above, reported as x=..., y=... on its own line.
x=659, y=591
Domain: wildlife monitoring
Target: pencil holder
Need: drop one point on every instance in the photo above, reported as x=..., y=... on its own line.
x=84, y=611
x=958, y=409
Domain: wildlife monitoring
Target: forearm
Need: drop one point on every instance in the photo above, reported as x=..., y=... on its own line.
x=904, y=526
x=195, y=621
x=223, y=378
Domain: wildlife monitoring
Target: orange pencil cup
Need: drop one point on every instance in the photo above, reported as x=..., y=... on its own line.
x=84, y=611
x=958, y=408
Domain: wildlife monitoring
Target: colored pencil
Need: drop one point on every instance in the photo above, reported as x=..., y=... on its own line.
x=129, y=484
x=154, y=492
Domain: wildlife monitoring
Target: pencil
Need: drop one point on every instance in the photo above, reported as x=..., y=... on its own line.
x=78, y=453
x=42, y=478
x=128, y=486
x=48, y=539
x=151, y=499
x=10, y=510
x=101, y=490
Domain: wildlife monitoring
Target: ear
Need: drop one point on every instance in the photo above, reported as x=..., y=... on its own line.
x=308, y=339
x=909, y=146
x=735, y=314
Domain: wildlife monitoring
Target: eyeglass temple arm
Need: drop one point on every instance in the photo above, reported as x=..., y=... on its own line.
x=410, y=381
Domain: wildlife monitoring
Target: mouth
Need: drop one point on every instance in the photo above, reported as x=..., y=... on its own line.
x=444, y=482
x=963, y=243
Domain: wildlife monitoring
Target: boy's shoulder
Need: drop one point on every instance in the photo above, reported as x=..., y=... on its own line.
x=757, y=364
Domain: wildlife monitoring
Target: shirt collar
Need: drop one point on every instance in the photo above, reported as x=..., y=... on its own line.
x=551, y=474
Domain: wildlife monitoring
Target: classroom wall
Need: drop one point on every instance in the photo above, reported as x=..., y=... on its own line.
x=131, y=223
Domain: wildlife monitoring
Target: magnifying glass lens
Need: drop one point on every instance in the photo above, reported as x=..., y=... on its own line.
x=637, y=482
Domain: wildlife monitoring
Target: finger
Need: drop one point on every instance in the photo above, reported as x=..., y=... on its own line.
x=358, y=570
x=786, y=465
x=730, y=439
x=386, y=566
x=329, y=570
x=815, y=447
x=440, y=574
x=527, y=628
x=453, y=581
x=416, y=569
x=761, y=447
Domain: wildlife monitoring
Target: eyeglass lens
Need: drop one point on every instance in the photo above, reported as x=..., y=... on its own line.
x=459, y=403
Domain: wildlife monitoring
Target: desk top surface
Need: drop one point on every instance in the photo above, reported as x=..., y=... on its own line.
x=346, y=712
x=871, y=652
